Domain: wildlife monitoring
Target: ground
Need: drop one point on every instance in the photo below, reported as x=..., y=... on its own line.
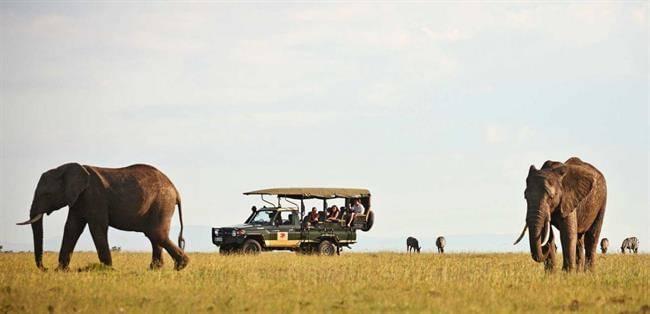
x=353, y=282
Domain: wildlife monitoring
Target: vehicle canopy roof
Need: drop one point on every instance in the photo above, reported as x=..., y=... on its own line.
x=308, y=193
x=280, y=209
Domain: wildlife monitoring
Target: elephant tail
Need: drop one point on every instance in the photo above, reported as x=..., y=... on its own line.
x=181, y=241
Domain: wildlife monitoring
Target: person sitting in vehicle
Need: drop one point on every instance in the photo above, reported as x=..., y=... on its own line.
x=313, y=216
x=356, y=209
x=278, y=219
x=333, y=213
x=289, y=221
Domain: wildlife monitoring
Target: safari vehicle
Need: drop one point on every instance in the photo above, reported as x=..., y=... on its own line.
x=278, y=227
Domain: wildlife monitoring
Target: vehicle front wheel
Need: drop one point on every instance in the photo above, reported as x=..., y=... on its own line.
x=326, y=248
x=251, y=246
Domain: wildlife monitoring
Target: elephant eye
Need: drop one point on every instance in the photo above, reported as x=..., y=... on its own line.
x=549, y=190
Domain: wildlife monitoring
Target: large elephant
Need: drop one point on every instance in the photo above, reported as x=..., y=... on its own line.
x=135, y=198
x=570, y=196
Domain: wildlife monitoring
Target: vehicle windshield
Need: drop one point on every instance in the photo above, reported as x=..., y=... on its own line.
x=263, y=217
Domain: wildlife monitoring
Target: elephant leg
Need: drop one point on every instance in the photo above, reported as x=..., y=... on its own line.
x=181, y=260
x=591, y=240
x=74, y=227
x=156, y=255
x=99, y=233
x=568, y=238
x=580, y=253
x=591, y=247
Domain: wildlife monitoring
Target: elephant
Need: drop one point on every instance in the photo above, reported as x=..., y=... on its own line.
x=135, y=198
x=570, y=196
x=604, y=244
x=631, y=244
x=412, y=244
x=440, y=244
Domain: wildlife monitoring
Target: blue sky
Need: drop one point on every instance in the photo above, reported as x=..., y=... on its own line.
x=438, y=108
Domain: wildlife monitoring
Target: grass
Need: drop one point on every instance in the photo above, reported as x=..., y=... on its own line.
x=359, y=283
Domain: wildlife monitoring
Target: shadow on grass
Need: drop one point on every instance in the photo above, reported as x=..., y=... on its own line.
x=95, y=267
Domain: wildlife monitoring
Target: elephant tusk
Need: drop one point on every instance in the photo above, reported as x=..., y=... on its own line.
x=31, y=221
x=548, y=232
x=523, y=232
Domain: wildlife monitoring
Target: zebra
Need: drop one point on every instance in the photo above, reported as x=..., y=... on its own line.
x=604, y=244
x=440, y=243
x=631, y=244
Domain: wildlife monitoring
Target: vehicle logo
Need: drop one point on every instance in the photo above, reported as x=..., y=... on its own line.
x=283, y=236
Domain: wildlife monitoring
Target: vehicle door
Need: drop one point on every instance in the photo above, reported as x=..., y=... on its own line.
x=286, y=231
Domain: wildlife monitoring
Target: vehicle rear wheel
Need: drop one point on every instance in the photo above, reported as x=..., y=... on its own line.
x=251, y=246
x=370, y=220
x=326, y=248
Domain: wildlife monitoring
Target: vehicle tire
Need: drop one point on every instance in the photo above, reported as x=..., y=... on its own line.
x=369, y=221
x=251, y=247
x=326, y=248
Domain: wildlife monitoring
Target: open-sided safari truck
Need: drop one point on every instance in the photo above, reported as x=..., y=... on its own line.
x=278, y=227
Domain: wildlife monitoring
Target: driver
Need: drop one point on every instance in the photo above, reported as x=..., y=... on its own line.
x=278, y=219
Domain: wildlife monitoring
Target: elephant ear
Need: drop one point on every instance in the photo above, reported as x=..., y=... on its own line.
x=577, y=187
x=75, y=180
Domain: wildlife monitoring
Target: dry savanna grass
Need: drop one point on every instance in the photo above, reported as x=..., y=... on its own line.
x=359, y=283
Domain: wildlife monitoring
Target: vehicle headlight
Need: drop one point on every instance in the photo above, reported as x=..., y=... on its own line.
x=215, y=232
x=234, y=233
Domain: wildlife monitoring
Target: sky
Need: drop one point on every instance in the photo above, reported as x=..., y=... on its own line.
x=438, y=108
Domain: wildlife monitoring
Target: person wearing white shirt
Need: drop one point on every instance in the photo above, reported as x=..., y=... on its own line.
x=356, y=209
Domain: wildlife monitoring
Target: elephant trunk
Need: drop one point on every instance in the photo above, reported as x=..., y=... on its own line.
x=37, y=230
x=36, y=221
x=540, y=228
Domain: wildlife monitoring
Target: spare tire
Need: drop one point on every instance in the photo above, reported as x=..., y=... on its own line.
x=370, y=220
